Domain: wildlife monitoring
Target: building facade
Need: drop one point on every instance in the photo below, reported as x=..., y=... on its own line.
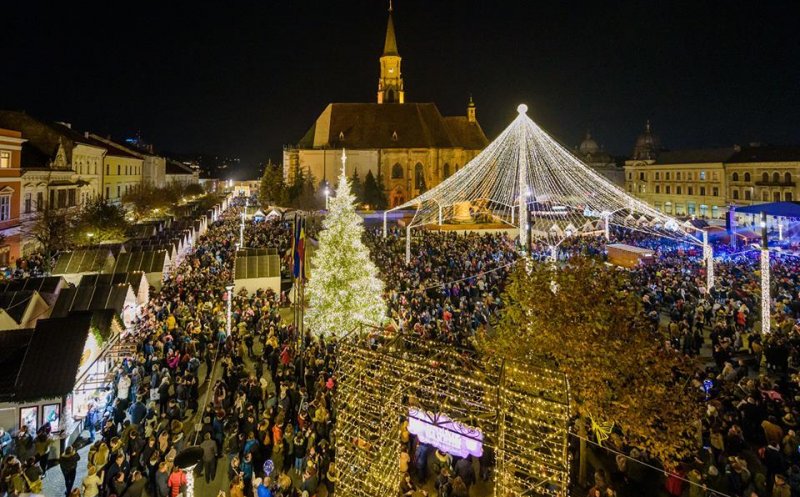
x=122, y=170
x=705, y=183
x=11, y=142
x=408, y=147
x=601, y=161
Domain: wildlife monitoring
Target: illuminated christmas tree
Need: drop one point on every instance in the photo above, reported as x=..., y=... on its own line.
x=344, y=290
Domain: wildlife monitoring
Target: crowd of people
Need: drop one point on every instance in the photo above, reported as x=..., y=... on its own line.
x=258, y=401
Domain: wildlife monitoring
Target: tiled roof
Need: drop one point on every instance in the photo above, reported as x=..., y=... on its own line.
x=697, y=156
x=766, y=154
x=372, y=125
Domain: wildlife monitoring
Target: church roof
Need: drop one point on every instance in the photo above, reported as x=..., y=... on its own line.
x=409, y=125
x=390, y=45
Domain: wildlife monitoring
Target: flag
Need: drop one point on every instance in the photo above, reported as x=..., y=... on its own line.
x=299, y=248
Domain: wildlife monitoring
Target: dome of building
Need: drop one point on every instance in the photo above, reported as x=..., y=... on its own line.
x=588, y=145
x=647, y=144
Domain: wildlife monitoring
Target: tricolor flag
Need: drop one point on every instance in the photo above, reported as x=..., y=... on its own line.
x=299, y=248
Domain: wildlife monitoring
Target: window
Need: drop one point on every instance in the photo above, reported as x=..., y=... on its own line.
x=52, y=201
x=776, y=196
x=28, y=202
x=678, y=190
x=5, y=159
x=658, y=175
x=735, y=177
x=747, y=177
x=715, y=191
x=119, y=190
x=667, y=189
x=397, y=171
x=702, y=175
x=642, y=188
x=119, y=169
x=641, y=176
x=62, y=199
x=108, y=192
x=678, y=176
x=776, y=177
x=787, y=178
x=667, y=174
x=764, y=196
x=689, y=176
x=71, y=197
x=446, y=172
x=419, y=177
x=702, y=191
x=748, y=195
x=108, y=169
x=39, y=201
x=658, y=188
x=5, y=207
x=765, y=177
x=787, y=196
x=630, y=176
x=735, y=194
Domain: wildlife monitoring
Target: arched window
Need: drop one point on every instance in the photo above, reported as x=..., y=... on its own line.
x=446, y=172
x=390, y=95
x=397, y=171
x=747, y=176
x=765, y=177
x=735, y=177
x=776, y=177
x=787, y=178
x=419, y=177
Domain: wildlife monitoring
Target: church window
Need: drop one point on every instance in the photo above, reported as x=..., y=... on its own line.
x=446, y=170
x=419, y=177
x=397, y=171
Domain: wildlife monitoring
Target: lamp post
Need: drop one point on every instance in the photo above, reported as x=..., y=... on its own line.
x=230, y=301
x=327, y=196
x=241, y=231
x=765, y=294
x=708, y=255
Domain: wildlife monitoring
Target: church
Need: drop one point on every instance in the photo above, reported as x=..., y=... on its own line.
x=410, y=147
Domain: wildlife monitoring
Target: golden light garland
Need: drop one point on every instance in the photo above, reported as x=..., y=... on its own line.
x=522, y=411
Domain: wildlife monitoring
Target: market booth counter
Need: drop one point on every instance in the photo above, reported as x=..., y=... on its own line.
x=628, y=256
x=43, y=372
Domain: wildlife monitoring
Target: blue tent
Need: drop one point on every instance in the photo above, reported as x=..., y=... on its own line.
x=778, y=209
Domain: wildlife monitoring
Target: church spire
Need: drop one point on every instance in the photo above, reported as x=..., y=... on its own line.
x=390, y=45
x=390, y=84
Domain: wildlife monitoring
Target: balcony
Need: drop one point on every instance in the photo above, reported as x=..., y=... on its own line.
x=776, y=183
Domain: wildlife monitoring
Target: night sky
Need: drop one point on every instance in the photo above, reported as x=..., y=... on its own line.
x=243, y=78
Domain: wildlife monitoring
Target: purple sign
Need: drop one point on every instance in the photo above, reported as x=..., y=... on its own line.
x=445, y=434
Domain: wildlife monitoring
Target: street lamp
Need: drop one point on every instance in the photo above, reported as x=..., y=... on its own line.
x=90, y=236
x=241, y=231
x=230, y=300
x=327, y=195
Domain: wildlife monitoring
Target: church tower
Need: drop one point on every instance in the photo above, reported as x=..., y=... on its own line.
x=390, y=84
x=471, y=117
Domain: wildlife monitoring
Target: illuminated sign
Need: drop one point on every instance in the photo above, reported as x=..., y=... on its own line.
x=445, y=434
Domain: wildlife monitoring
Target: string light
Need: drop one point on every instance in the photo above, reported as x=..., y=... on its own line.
x=527, y=171
x=377, y=385
x=766, y=299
